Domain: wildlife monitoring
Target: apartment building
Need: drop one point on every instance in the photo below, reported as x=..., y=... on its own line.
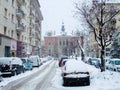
x=22, y=26
x=8, y=37
x=35, y=26
x=113, y=26
x=17, y=25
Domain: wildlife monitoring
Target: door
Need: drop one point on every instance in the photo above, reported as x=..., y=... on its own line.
x=7, y=51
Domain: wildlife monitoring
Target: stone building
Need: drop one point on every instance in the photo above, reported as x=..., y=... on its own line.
x=63, y=44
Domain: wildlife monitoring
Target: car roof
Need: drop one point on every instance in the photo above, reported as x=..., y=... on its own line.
x=114, y=59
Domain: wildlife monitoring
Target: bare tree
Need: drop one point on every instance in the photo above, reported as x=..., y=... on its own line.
x=101, y=21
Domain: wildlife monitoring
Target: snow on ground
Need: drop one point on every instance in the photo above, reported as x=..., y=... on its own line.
x=107, y=80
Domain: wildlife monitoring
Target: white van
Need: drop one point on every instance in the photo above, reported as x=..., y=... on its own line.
x=36, y=60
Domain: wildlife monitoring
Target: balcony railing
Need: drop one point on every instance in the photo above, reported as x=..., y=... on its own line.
x=37, y=22
x=20, y=13
x=21, y=2
x=20, y=27
x=37, y=31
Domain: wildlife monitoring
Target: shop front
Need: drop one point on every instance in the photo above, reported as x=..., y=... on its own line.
x=13, y=47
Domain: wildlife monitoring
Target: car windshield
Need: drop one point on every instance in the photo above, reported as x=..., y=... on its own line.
x=117, y=62
x=94, y=59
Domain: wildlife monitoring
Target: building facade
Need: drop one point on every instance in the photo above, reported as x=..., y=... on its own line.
x=15, y=27
x=63, y=44
x=113, y=26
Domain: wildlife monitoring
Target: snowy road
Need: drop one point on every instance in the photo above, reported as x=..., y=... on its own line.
x=35, y=81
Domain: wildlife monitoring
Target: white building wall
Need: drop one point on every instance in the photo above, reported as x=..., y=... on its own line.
x=7, y=20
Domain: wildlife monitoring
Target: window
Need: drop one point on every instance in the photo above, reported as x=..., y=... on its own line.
x=12, y=2
x=0, y=40
x=49, y=43
x=12, y=33
x=5, y=13
x=18, y=36
x=60, y=43
x=66, y=42
x=22, y=38
x=12, y=18
x=63, y=42
x=5, y=30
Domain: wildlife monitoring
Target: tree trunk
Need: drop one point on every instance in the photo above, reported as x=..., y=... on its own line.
x=102, y=67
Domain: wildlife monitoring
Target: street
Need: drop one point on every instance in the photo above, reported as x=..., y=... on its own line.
x=35, y=81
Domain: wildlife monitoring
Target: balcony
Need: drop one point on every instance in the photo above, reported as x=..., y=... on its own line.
x=37, y=24
x=37, y=31
x=32, y=15
x=32, y=35
x=20, y=13
x=32, y=6
x=20, y=27
x=21, y=2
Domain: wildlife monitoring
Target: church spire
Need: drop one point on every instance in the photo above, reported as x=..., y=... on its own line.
x=63, y=29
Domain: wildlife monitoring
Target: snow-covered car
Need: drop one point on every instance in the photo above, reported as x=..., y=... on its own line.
x=27, y=64
x=75, y=73
x=11, y=66
x=0, y=76
x=36, y=60
x=95, y=62
x=61, y=59
x=114, y=64
x=63, y=62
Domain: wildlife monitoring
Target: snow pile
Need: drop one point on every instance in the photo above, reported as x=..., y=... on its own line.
x=107, y=80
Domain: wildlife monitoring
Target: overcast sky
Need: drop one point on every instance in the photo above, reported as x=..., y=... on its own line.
x=55, y=12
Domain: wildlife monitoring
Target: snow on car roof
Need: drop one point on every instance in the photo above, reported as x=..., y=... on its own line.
x=13, y=60
x=113, y=59
x=74, y=65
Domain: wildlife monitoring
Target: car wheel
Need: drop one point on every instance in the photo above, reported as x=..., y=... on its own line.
x=114, y=69
x=88, y=81
x=14, y=73
x=65, y=82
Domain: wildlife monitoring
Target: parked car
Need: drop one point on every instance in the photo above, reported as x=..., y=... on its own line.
x=0, y=76
x=75, y=73
x=36, y=60
x=11, y=66
x=95, y=61
x=61, y=59
x=63, y=62
x=113, y=64
x=27, y=64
